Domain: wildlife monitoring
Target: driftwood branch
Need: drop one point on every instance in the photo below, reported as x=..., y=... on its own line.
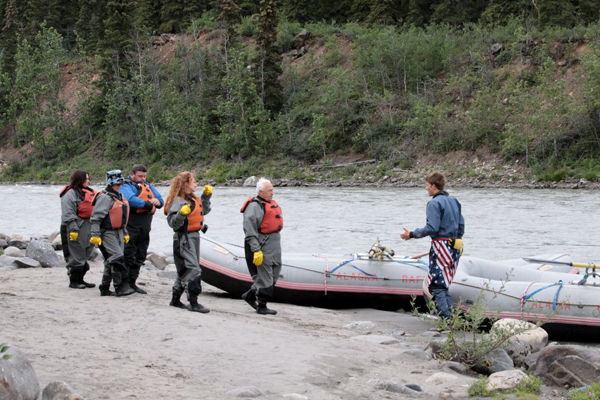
x=317, y=167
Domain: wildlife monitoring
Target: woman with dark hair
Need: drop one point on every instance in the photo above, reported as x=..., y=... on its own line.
x=76, y=205
x=185, y=214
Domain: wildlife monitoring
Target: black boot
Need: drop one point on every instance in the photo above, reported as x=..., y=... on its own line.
x=105, y=291
x=86, y=268
x=195, y=306
x=176, y=300
x=262, y=309
x=123, y=290
x=77, y=285
x=250, y=298
x=136, y=288
x=75, y=278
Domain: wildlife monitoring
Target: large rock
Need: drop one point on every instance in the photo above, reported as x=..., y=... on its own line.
x=550, y=354
x=26, y=262
x=3, y=243
x=7, y=261
x=59, y=390
x=18, y=243
x=573, y=372
x=531, y=335
x=57, y=243
x=17, y=377
x=498, y=360
x=158, y=261
x=44, y=253
x=505, y=380
x=300, y=39
x=13, y=252
x=252, y=181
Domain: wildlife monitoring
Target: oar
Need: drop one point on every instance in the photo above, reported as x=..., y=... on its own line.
x=572, y=264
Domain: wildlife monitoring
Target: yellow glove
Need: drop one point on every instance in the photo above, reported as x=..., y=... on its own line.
x=185, y=210
x=126, y=239
x=258, y=258
x=457, y=244
x=96, y=240
x=208, y=190
x=73, y=236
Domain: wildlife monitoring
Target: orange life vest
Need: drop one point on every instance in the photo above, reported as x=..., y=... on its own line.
x=118, y=215
x=195, y=219
x=145, y=193
x=85, y=207
x=272, y=220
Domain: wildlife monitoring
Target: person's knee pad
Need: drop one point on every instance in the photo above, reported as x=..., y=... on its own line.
x=119, y=263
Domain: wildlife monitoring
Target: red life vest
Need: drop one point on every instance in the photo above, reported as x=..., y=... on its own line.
x=145, y=193
x=118, y=215
x=195, y=219
x=85, y=207
x=272, y=220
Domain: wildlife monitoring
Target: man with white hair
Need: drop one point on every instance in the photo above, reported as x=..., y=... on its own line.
x=263, y=220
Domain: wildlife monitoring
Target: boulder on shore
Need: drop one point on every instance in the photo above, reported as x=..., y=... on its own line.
x=17, y=377
x=44, y=253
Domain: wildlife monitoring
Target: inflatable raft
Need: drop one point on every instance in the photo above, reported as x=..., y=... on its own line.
x=553, y=292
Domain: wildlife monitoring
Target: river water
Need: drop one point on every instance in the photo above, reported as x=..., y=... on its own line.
x=500, y=223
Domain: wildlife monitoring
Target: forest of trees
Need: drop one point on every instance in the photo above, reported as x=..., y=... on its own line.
x=396, y=77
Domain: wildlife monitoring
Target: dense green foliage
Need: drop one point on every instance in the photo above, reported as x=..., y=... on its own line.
x=390, y=79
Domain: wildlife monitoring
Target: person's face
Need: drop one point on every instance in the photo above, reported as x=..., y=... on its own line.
x=190, y=187
x=86, y=183
x=138, y=177
x=431, y=189
x=267, y=193
x=117, y=187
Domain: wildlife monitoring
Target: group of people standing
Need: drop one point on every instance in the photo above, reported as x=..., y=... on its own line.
x=118, y=220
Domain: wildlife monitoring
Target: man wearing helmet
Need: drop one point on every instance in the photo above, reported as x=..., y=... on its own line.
x=109, y=232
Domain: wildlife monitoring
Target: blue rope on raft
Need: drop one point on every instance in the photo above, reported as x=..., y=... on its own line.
x=560, y=285
x=236, y=245
x=340, y=265
x=366, y=273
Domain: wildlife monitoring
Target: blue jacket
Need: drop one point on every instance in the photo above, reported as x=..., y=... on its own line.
x=444, y=218
x=130, y=191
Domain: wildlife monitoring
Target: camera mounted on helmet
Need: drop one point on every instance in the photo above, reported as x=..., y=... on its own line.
x=114, y=177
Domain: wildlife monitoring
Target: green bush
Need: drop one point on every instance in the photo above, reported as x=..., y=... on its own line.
x=591, y=392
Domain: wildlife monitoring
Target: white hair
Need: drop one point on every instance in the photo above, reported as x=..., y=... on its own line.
x=260, y=185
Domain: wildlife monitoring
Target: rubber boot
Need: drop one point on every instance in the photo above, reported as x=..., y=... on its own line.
x=250, y=298
x=123, y=290
x=195, y=306
x=105, y=291
x=75, y=279
x=262, y=309
x=176, y=300
x=136, y=288
x=86, y=268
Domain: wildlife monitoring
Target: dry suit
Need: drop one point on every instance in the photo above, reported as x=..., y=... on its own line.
x=186, y=244
x=75, y=220
x=109, y=221
x=265, y=275
x=139, y=225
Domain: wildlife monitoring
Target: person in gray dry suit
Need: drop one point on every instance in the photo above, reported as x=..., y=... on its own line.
x=263, y=220
x=76, y=206
x=185, y=215
x=109, y=232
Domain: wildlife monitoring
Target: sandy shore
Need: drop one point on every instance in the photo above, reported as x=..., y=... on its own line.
x=137, y=347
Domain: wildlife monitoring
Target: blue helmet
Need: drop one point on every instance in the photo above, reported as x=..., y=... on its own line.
x=114, y=177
